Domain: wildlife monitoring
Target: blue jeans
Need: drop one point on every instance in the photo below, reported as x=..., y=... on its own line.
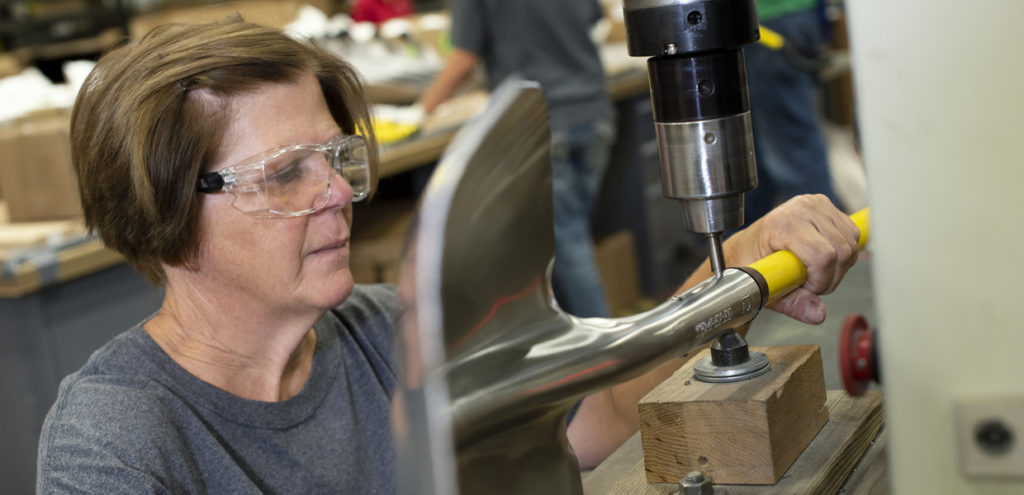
x=789, y=145
x=579, y=157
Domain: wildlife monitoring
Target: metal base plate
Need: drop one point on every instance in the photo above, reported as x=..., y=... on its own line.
x=706, y=371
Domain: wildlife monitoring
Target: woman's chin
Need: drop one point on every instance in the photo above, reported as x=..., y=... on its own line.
x=338, y=289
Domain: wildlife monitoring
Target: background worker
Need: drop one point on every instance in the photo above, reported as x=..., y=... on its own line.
x=789, y=142
x=548, y=42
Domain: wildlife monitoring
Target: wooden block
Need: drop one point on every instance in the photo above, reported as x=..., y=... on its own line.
x=823, y=469
x=745, y=432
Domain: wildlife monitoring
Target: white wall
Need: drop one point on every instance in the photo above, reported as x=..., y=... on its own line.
x=940, y=87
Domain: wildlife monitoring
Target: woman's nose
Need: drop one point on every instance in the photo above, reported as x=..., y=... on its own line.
x=341, y=191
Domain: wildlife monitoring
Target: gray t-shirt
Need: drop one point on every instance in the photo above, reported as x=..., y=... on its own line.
x=547, y=41
x=133, y=421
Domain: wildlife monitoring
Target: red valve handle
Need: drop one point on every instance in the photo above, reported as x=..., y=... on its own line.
x=856, y=355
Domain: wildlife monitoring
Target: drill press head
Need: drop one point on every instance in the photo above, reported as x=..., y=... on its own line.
x=698, y=86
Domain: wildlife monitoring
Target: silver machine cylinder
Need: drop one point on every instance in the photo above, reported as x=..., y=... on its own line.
x=701, y=109
x=708, y=165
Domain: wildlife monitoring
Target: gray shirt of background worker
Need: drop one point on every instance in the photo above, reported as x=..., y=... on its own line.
x=561, y=58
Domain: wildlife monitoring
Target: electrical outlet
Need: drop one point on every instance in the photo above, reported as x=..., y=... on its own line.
x=990, y=433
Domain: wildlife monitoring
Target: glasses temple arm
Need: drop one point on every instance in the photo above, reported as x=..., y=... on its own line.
x=211, y=182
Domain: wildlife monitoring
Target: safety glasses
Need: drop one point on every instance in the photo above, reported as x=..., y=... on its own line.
x=291, y=181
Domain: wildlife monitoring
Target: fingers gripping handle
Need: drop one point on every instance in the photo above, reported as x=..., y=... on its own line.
x=783, y=271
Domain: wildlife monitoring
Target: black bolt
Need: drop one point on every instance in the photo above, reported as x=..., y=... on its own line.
x=729, y=349
x=994, y=437
x=694, y=17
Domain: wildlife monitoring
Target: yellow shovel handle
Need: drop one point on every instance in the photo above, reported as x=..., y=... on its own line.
x=783, y=271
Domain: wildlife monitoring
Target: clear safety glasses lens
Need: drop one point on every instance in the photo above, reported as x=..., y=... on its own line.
x=297, y=180
x=352, y=161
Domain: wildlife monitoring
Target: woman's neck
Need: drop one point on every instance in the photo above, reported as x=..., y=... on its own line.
x=247, y=351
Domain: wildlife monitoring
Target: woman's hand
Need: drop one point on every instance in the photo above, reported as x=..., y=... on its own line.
x=812, y=228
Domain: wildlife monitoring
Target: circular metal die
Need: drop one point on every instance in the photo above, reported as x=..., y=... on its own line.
x=706, y=371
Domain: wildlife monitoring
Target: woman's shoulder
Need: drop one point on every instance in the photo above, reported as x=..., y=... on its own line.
x=116, y=385
x=103, y=422
x=118, y=389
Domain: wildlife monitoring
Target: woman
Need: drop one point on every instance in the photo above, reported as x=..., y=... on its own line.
x=222, y=161
x=250, y=353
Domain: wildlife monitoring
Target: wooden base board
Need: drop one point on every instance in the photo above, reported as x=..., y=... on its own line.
x=871, y=476
x=822, y=468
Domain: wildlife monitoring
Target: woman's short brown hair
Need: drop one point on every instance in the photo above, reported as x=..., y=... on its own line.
x=151, y=116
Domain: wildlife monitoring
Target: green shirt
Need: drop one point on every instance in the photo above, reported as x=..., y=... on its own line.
x=770, y=9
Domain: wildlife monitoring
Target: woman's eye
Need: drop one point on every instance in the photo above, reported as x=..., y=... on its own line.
x=286, y=172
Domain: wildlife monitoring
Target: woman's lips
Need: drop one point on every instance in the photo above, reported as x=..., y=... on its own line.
x=334, y=246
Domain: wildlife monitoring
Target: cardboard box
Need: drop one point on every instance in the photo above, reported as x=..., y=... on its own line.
x=36, y=177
